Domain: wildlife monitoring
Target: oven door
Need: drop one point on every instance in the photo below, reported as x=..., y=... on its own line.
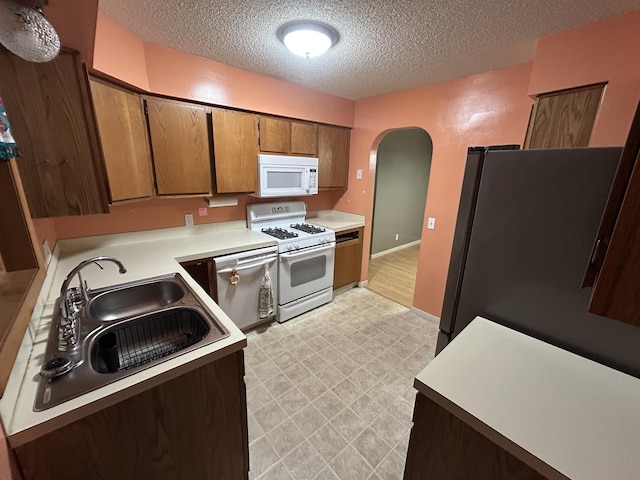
x=304, y=272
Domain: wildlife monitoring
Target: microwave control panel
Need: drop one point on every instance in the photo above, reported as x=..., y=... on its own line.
x=313, y=178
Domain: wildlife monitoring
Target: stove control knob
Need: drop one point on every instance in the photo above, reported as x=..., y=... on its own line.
x=297, y=246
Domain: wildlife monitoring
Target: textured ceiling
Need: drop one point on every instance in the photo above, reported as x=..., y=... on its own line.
x=385, y=45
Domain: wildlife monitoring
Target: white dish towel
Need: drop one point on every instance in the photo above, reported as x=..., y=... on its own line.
x=265, y=302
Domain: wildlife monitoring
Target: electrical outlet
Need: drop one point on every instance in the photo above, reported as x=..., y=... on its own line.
x=397, y=236
x=431, y=223
x=188, y=220
x=359, y=174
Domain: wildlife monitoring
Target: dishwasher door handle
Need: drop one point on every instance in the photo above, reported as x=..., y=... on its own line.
x=239, y=268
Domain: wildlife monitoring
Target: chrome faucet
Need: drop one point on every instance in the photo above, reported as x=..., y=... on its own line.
x=73, y=299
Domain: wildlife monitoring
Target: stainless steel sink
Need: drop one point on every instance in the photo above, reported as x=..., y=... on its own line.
x=130, y=300
x=146, y=338
x=123, y=330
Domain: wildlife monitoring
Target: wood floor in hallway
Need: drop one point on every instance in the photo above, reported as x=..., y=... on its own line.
x=394, y=275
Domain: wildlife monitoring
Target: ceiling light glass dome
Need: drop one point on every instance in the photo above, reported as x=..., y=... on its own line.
x=307, y=38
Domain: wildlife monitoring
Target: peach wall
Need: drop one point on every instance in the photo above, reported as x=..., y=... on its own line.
x=75, y=23
x=161, y=70
x=490, y=108
x=604, y=51
x=166, y=213
x=166, y=71
x=182, y=75
x=120, y=53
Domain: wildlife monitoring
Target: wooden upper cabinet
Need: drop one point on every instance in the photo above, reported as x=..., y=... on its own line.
x=289, y=137
x=123, y=134
x=333, y=155
x=564, y=119
x=49, y=108
x=181, y=147
x=615, y=262
x=235, y=141
x=304, y=138
x=275, y=135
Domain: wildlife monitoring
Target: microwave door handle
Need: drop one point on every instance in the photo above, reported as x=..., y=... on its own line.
x=306, y=180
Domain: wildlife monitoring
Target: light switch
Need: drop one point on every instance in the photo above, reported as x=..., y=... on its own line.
x=359, y=174
x=431, y=223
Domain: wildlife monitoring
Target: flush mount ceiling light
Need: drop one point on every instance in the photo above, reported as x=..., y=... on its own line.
x=308, y=38
x=25, y=32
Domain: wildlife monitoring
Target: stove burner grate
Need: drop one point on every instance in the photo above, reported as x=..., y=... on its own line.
x=305, y=227
x=279, y=233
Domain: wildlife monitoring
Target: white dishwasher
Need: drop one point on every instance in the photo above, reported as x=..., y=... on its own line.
x=240, y=278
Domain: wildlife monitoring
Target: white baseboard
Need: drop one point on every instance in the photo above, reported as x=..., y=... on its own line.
x=426, y=315
x=394, y=249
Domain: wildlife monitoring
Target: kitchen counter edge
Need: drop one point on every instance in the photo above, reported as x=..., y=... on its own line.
x=336, y=220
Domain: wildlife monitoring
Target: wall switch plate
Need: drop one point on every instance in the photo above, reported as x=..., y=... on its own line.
x=359, y=174
x=188, y=220
x=431, y=223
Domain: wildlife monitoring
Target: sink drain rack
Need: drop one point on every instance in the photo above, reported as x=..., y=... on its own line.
x=143, y=341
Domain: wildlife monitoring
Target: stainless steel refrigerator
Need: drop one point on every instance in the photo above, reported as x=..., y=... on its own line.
x=525, y=229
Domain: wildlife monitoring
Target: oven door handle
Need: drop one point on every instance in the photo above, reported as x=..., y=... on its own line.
x=308, y=251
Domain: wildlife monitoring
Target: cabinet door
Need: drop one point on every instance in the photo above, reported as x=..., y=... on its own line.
x=564, y=119
x=275, y=135
x=123, y=135
x=333, y=154
x=191, y=427
x=235, y=141
x=49, y=107
x=443, y=447
x=181, y=147
x=304, y=138
x=348, y=258
x=615, y=262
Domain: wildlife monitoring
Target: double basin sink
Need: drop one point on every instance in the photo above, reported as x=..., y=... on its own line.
x=124, y=329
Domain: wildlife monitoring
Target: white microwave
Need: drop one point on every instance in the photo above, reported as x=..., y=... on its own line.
x=286, y=176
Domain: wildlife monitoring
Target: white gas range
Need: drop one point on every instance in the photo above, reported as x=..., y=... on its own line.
x=305, y=255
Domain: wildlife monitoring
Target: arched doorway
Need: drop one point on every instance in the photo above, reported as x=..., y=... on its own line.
x=403, y=163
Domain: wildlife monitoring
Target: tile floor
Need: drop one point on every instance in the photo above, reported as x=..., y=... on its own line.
x=330, y=393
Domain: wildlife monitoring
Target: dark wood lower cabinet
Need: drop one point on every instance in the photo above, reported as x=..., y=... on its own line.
x=189, y=428
x=443, y=447
x=348, y=257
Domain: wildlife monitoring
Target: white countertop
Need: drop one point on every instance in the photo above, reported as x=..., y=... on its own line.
x=144, y=254
x=548, y=407
x=335, y=219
